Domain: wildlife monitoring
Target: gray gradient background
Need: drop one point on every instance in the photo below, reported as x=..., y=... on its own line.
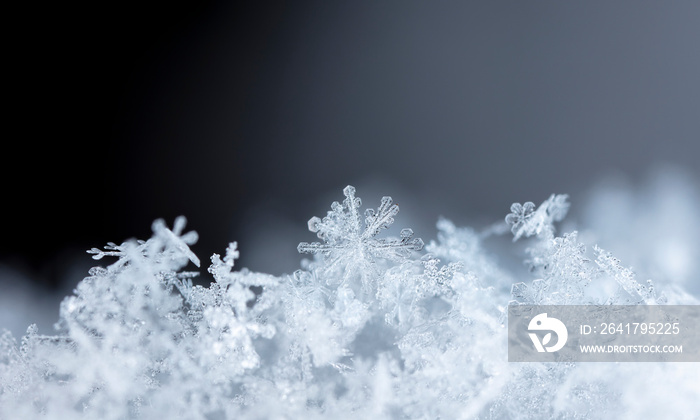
x=251, y=119
x=466, y=107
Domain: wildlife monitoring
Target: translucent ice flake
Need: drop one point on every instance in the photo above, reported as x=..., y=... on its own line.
x=168, y=245
x=365, y=329
x=525, y=220
x=351, y=249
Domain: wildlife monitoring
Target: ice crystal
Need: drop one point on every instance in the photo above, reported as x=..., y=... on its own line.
x=525, y=220
x=351, y=249
x=177, y=245
x=368, y=328
x=565, y=270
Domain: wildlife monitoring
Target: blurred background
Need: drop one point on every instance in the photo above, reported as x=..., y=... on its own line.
x=251, y=118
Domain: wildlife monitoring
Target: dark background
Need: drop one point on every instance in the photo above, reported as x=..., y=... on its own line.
x=249, y=119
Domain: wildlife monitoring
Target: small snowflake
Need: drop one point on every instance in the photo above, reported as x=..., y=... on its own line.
x=525, y=220
x=519, y=215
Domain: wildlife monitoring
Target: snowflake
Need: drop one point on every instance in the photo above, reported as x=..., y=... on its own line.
x=138, y=340
x=353, y=249
x=436, y=279
x=525, y=220
x=170, y=244
x=565, y=269
x=237, y=289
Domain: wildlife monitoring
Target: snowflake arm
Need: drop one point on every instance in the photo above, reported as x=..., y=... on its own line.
x=111, y=250
x=175, y=237
x=162, y=236
x=381, y=219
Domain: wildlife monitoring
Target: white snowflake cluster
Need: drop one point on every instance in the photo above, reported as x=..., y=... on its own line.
x=369, y=328
x=564, y=269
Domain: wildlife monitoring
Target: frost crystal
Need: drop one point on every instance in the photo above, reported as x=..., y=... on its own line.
x=365, y=329
x=351, y=249
x=525, y=220
x=164, y=239
x=565, y=270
